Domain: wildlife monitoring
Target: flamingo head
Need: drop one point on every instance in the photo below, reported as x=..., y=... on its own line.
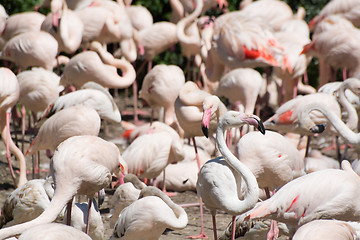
x=205, y=122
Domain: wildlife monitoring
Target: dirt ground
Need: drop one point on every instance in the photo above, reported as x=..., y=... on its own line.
x=193, y=227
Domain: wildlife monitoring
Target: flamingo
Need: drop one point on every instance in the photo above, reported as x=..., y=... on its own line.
x=22, y=22
x=296, y=203
x=241, y=84
x=149, y=154
x=326, y=229
x=347, y=9
x=91, y=95
x=89, y=66
x=72, y=121
x=3, y=17
x=140, y=16
x=316, y=161
x=149, y=216
x=219, y=178
x=124, y=195
x=255, y=41
x=9, y=96
x=160, y=88
x=34, y=48
x=81, y=165
x=273, y=12
x=69, y=31
x=27, y=202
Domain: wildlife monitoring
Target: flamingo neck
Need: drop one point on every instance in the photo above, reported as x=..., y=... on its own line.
x=353, y=118
x=252, y=195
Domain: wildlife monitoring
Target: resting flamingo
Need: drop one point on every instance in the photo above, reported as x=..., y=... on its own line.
x=54, y=231
x=97, y=66
x=326, y=229
x=9, y=96
x=81, y=165
x=149, y=216
x=219, y=178
x=38, y=49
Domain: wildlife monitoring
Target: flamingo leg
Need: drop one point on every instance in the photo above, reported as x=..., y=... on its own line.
x=68, y=212
x=170, y=194
x=6, y=132
x=23, y=115
x=214, y=226
x=88, y=216
x=202, y=234
x=233, y=227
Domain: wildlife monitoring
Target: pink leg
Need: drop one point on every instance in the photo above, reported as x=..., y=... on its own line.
x=23, y=115
x=233, y=227
x=202, y=234
x=170, y=194
x=8, y=155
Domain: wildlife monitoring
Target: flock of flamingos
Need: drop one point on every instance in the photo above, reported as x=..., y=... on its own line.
x=240, y=138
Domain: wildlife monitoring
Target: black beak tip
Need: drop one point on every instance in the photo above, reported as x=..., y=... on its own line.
x=205, y=130
x=318, y=128
x=261, y=127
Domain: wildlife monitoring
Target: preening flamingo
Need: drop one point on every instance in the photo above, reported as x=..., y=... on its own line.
x=9, y=96
x=218, y=181
x=3, y=17
x=140, y=16
x=81, y=165
x=149, y=216
x=299, y=202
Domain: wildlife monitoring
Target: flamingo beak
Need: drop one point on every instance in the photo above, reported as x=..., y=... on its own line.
x=256, y=123
x=55, y=21
x=205, y=122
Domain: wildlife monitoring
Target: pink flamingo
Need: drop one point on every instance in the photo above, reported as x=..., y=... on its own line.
x=219, y=178
x=9, y=96
x=79, y=166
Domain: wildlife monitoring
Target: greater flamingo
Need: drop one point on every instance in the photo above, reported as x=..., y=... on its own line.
x=100, y=67
x=9, y=96
x=218, y=181
x=326, y=229
x=81, y=165
x=22, y=22
x=161, y=87
x=149, y=216
x=296, y=203
x=26, y=202
x=149, y=154
x=72, y=121
x=31, y=49
x=124, y=195
x=54, y=231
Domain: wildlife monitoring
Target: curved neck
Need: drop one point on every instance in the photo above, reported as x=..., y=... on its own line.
x=184, y=23
x=179, y=212
x=128, y=71
x=353, y=118
x=338, y=124
x=252, y=195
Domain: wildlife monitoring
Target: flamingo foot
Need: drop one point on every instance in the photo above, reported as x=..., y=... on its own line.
x=201, y=236
x=170, y=194
x=274, y=231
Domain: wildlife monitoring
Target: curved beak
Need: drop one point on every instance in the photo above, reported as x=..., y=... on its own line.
x=205, y=122
x=257, y=123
